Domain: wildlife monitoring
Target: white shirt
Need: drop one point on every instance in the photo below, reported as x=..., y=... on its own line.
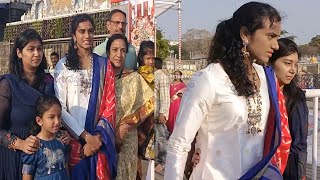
x=73, y=94
x=211, y=107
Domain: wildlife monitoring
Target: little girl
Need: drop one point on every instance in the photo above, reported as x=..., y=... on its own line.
x=49, y=161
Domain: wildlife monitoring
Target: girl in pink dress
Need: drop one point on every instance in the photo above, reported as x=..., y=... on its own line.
x=176, y=90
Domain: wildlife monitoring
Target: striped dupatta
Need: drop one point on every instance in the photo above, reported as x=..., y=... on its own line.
x=280, y=159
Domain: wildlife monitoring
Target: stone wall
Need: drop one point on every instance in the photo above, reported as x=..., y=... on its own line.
x=4, y=57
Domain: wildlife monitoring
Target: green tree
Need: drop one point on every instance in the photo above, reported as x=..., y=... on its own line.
x=196, y=42
x=163, y=46
x=307, y=50
x=184, y=53
x=315, y=41
x=285, y=34
x=175, y=49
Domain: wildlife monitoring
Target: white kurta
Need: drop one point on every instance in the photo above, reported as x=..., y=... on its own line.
x=211, y=107
x=73, y=94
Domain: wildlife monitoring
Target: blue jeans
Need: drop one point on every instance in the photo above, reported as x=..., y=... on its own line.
x=162, y=135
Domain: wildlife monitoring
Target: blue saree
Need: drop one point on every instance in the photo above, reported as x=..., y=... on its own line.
x=102, y=165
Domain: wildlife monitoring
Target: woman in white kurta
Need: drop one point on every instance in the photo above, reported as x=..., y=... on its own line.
x=84, y=84
x=227, y=103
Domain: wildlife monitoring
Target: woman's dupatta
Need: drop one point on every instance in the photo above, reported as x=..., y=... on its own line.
x=103, y=164
x=280, y=159
x=264, y=170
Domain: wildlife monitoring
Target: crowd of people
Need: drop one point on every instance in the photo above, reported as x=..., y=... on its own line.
x=106, y=109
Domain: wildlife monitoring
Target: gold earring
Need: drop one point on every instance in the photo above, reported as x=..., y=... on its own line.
x=245, y=53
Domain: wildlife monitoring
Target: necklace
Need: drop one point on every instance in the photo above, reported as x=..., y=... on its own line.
x=254, y=108
x=86, y=79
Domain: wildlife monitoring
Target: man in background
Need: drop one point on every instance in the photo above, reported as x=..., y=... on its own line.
x=116, y=23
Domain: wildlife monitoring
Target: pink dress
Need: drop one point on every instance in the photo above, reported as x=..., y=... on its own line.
x=175, y=100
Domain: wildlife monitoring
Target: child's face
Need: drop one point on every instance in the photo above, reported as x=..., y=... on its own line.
x=148, y=59
x=51, y=120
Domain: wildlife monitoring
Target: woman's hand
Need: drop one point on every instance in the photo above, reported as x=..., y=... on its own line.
x=121, y=132
x=93, y=141
x=29, y=145
x=195, y=158
x=180, y=95
x=88, y=150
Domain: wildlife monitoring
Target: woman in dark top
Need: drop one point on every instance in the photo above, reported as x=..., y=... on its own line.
x=19, y=91
x=284, y=62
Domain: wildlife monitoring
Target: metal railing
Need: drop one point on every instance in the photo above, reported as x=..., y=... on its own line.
x=315, y=94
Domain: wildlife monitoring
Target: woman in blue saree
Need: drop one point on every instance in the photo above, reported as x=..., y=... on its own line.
x=84, y=84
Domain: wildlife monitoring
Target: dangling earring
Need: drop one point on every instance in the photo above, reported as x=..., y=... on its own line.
x=75, y=44
x=245, y=53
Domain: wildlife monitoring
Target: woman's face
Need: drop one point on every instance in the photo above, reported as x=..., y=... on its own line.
x=286, y=68
x=31, y=55
x=84, y=35
x=148, y=59
x=118, y=53
x=264, y=41
x=177, y=76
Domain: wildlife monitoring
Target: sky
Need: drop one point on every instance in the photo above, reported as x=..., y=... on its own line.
x=301, y=18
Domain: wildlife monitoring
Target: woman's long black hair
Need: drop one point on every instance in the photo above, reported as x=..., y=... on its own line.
x=227, y=44
x=15, y=64
x=72, y=61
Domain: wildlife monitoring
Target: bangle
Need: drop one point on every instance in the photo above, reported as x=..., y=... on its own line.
x=13, y=142
x=85, y=136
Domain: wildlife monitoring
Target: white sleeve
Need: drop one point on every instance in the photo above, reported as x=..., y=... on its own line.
x=60, y=87
x=196, y=102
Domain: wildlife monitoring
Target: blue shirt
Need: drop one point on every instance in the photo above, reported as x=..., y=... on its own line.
x=47, y=163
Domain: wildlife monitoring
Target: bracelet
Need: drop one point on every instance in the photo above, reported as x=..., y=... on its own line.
x=13, y=142
x=85, y=136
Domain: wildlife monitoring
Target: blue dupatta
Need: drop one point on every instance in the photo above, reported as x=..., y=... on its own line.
x=86, y=168
x=263, y=170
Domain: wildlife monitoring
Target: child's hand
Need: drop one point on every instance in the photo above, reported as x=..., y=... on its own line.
x=65, y=138
x=29, y=145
